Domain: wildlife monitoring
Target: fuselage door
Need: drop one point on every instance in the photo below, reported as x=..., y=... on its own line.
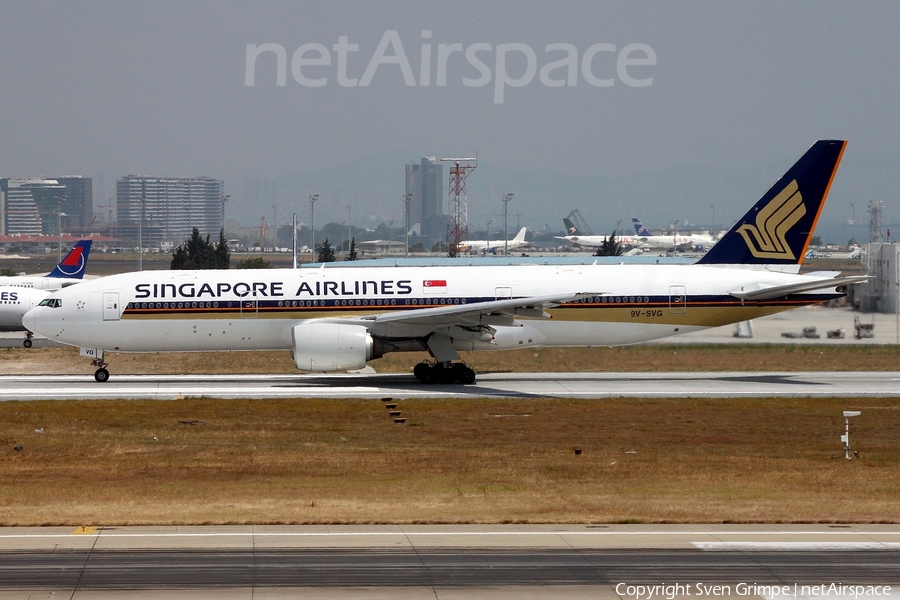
x=677, y=299
x=111, y=310
x=249, y=308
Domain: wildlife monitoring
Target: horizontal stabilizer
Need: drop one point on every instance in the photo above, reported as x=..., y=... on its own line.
x=767, y=293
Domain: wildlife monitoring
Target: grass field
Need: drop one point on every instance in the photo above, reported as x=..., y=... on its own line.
x=475, y=461
x=482, y=461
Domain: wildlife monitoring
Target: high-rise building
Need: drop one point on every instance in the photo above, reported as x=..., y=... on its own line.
x=425, y=184
x=78, y=204
x=31, y=206
x=167, y=208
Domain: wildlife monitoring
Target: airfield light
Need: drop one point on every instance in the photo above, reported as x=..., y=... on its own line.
x=846, y=437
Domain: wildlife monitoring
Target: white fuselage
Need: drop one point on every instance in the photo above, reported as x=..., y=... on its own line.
x=687, y=240
x=493, y=245
x=256, y=309
x=37, y=282
x=596, y=241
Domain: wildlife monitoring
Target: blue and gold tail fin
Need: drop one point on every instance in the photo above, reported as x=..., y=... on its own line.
x=639, y=228
x=73, y=264
x=777, y=230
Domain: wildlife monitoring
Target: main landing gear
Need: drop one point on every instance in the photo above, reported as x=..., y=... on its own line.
x=447, y=372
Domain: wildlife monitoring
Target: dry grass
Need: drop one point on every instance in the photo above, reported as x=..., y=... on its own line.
x=481, y=461
x=476, y=460
x=646, y=358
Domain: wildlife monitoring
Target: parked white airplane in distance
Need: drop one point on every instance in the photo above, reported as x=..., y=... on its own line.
x=70, y=270
x=681, y=241
x=25, y=292
x=338, y=319
x=485, y=246
x=590, y=241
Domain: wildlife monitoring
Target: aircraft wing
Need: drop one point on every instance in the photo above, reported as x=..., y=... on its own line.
x=767, y=293
x=473, y=314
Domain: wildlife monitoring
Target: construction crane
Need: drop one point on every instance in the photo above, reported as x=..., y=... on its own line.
x=109, y=221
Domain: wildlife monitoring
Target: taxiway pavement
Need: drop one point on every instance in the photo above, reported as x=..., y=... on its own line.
x=445, y=561
x=508, y=385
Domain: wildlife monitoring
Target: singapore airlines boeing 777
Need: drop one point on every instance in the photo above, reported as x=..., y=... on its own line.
x=335, y=319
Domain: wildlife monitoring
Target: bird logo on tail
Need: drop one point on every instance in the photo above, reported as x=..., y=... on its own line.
x=767, y=238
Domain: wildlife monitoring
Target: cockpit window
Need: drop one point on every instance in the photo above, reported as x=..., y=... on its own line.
x=51, y=302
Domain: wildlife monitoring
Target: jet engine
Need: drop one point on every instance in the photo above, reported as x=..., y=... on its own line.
x=331, y=346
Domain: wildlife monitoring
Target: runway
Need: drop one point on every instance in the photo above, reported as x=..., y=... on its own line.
x=468, y=561
x=518, y=385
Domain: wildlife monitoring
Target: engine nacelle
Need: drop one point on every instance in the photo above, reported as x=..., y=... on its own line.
x=331, y=346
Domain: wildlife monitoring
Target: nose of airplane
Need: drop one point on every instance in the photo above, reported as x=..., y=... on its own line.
x=28, y=320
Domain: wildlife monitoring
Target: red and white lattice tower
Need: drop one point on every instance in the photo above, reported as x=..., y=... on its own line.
x=458, y=229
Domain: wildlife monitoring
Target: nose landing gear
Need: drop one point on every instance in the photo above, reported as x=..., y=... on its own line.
x=101, y=375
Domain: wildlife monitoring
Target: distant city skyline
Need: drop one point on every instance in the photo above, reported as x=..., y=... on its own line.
x=657, y=109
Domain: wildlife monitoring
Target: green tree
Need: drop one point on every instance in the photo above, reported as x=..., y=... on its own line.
x=325, y=252
x=199, y=253
x=352, y=254
x=254, y=263
x=610, y=246
x=7, y=272
x=223, y=254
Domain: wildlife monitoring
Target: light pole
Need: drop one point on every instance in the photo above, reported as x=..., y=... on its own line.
x=853, y=220
x=406, y=199
x=488, y=237
x=312, y=222
x=712, y=229
x=275, y=228
x=225, y=198
x=141, y=234
x=59, y=216
x=506, y=199
x=349, y=226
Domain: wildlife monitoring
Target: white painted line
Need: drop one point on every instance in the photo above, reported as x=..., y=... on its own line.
x=797, y=545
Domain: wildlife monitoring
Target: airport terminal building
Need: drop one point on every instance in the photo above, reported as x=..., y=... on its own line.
x=881, y=293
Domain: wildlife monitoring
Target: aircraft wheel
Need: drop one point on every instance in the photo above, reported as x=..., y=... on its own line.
x=422, y=372
x=465, y=375
x=101, y=375
x=27, y=343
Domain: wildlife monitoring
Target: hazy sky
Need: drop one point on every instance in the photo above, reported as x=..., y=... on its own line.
x=161, y=88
